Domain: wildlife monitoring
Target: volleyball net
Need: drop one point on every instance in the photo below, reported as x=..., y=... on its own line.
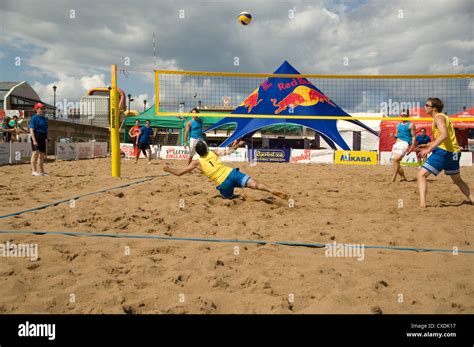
x=373, y=96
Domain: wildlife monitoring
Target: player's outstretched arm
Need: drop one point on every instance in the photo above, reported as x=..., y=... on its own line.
x=179, y=172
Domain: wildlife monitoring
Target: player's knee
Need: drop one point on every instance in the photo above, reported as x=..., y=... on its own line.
x=422, y=174
x=251, y=183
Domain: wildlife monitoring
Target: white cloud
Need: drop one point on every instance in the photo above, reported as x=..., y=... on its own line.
x=69, y=88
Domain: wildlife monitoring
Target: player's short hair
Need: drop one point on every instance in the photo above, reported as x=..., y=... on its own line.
x=437, y=104
x=201, y=148
x=423, y=129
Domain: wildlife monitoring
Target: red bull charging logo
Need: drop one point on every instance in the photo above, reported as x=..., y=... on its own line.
x=251, y=101
x=300, y=96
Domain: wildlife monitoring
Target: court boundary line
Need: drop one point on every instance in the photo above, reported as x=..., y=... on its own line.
x=260, y=242
x=77, y=197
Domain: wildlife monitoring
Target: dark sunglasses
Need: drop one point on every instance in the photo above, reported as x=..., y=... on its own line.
x=426, y=105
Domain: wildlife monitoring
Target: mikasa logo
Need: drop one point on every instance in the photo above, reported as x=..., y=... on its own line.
x=37, y=330
x=348, y=157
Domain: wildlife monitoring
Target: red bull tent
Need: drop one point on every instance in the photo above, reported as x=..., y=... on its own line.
x=288, y=96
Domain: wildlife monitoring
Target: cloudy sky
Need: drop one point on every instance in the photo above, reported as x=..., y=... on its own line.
x=72, y=43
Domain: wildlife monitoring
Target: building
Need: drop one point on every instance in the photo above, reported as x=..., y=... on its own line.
x=95, y=108
x=20, y=96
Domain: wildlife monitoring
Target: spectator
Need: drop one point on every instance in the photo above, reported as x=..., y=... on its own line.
x=422, y=139
x=7, y=129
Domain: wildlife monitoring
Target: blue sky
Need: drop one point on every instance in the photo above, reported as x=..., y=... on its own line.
x=72, y=43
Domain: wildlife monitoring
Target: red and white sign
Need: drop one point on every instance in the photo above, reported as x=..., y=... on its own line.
x=128, y=151
x=313, y=156
x=174, y=152
x=11, y=113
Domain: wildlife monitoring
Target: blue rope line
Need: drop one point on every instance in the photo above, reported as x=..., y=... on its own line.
x=196, y=239
x=55, y=203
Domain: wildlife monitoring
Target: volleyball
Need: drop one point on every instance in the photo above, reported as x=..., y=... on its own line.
x=245, y=18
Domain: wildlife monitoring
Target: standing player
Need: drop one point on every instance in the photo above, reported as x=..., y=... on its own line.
x=405, y=143
x=39, y=134
x=134, y=133
x=223, y=176
x=144, y=141
x=422, y=139
x=193, y=128
x=445, y=150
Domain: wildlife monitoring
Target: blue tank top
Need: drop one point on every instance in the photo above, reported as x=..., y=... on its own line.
x=404, y=132
x=196, y=129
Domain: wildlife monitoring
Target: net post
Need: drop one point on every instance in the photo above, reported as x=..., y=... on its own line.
x=114, y=123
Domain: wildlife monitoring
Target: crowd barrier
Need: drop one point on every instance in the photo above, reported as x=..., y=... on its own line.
x=15, y=153
x=80, y=150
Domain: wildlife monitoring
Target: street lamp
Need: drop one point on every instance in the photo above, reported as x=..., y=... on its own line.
x=144, y=104
x=129, y=101
x=54, y=101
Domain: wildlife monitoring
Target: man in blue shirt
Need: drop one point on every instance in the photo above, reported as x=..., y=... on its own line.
x=422, y=139
x=39, y=134
x=194, y=129
x=144, y=141
x=406, y=142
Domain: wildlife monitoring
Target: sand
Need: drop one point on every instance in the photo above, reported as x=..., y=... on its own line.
x=345, y=204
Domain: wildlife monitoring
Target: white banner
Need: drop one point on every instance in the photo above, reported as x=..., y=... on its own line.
x=4, y=153
x=305, y=156
x=126, y=150
x=180, y=153
x=84, y=150
x=174, y=152
x=408, y=160
x=100, y=149
x=239, y=155
x=20, y=152
x=66, y=151
x=466, y=159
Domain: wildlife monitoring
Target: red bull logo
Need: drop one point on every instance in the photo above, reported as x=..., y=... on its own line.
x=251, y=101
x=300, y=96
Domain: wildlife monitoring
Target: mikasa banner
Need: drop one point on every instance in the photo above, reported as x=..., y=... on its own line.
x=355, y=158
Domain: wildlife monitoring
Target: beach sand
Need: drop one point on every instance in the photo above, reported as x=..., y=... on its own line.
x=332, y=203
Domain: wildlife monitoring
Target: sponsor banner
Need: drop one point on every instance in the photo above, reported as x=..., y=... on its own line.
x=181, y=152
x=11, y=113
x=174, y=152
x=240, y=155
x=269, y=155
x=85, y=150
x=127, y=150
x=355, y=157
x=304, y=156
x=466, y=159
x=408, y=160
x=66, y=151
x=20, y=152
x=100, y=149
x=4, y=153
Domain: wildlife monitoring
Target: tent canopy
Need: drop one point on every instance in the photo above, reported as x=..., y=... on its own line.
x=288, y=96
